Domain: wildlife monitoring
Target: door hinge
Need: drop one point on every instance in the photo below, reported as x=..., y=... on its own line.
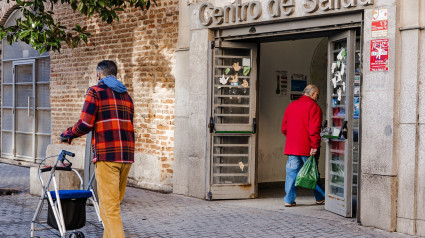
x=210, y=196
x=211, y=125
x=254, y=125
x=212, y=44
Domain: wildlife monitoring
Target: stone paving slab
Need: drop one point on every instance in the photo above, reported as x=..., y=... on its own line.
x=15, y=177
x=151, y=214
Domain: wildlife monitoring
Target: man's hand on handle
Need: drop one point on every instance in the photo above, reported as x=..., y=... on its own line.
x=313, y=151
x=66, y=136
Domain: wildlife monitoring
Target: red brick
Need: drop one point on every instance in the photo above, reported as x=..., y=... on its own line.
x=137, y=44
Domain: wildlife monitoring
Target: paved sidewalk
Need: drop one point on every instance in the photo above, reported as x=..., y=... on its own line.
x=151, y=214
x=15, y=177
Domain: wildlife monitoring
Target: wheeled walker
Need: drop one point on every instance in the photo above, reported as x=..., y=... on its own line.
x=66, y=208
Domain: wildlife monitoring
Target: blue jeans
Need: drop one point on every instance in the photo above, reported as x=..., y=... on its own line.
x=293, y=166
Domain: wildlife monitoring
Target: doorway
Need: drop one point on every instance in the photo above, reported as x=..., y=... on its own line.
x=333, y=63
x=286, y=67
x=246, y=149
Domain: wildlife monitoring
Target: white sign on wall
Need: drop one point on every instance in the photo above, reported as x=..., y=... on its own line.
x=380, y=23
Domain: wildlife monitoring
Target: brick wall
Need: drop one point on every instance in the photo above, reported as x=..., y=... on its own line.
x=142, y=44
x=5, y=10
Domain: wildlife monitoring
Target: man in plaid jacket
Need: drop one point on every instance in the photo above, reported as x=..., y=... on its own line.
x=108, y=111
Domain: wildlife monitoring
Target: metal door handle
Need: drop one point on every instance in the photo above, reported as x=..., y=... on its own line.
x=211, y=125
x=29, y=98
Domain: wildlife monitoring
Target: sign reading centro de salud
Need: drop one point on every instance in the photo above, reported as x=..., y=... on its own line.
x=238, y=13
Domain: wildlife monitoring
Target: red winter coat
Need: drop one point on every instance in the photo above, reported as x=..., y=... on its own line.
x=301, y=125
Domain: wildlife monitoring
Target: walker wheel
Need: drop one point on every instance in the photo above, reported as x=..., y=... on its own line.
x=77, y=234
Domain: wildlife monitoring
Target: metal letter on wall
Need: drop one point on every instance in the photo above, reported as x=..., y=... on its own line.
x=273, y=8
x=310, y=5
x=366, y=2
x=208, y=21
x=288, y=7
x=255, y=10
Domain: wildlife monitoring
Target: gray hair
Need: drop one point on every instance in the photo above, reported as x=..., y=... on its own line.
x=310, y=89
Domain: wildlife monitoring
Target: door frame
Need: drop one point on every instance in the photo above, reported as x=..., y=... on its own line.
x=314, y=27
x=14, y=113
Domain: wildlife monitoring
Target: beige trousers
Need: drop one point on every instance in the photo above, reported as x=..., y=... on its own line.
x=111, y=180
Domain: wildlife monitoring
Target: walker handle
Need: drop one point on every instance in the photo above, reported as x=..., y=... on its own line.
x=57, y=168
x=62, y=158
x=68, y=153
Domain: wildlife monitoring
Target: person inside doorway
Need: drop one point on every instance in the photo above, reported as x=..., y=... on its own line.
x=301, y=125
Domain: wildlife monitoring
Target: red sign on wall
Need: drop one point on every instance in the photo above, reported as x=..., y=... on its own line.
x=379, y=28
x=379, y=55
x=379, y=23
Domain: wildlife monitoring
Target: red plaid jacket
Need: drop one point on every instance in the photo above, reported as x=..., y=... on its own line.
x=110, y=115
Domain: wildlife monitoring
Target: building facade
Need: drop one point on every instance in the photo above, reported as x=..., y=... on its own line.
x=211, y=80
x=230, y=129
x=143, y=46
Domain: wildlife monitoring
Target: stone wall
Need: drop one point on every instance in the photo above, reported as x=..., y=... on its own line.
x=379, y=105
x=411, y=156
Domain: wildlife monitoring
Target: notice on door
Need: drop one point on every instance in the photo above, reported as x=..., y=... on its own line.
x=379, y=55
x=379, y=23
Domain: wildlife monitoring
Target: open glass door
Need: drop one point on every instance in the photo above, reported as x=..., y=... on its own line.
x=232, y=124
x=340, y=115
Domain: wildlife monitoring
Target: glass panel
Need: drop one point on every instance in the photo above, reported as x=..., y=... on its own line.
x=22, y=94
x=356, y=119
x=23, y=145
x=337, y=180
x=7, y=96
x=7, y=120
x=7, y=72
x=232, y=86
x=339, y=83
x=43, y=69
x=338, y=115
x=24, y=123
x=42, y=143
x=43, y=121
x=19, y=50
x=23, y=73
x=43, y=96
x=11, y=21
x=230, y=160
x=6, y=141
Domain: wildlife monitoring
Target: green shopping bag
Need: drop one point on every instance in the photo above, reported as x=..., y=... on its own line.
x=308, y=175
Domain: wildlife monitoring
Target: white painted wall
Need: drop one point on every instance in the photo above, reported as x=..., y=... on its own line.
x=294, y=57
